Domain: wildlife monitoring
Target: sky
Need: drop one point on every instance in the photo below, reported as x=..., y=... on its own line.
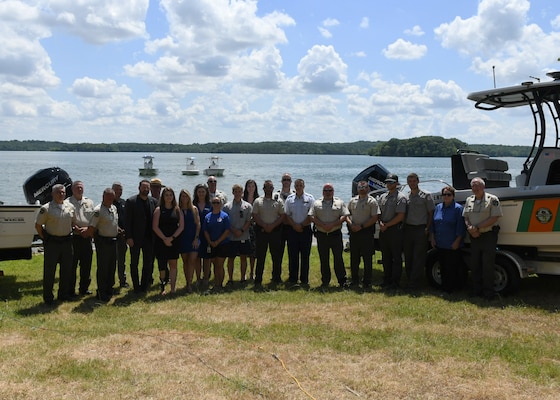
x=200, y=71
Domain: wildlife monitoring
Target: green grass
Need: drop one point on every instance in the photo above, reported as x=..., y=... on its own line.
x=231, y=346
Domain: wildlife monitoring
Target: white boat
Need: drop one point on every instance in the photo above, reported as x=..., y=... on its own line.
x=529, y=237
x=17, y=230
x=148, y=169
x=17, y=222
x=214, y=168
x=191, y=168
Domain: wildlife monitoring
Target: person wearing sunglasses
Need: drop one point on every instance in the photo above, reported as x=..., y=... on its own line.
x=448, y=231
x=239, y=212
x=212, y=183
x=361, y=222
x=328, y=214
x=283, y=194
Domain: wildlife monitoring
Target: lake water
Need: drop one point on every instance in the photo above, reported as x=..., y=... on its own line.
x=100, y=170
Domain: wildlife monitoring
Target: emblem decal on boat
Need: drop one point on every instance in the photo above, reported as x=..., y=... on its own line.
x=543, y=215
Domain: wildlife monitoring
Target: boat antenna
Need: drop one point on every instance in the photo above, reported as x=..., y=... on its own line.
x=535, y=78
x=494, y=74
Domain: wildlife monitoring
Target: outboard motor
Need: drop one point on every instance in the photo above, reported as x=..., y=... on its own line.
x=374, y=175
x=38, y=187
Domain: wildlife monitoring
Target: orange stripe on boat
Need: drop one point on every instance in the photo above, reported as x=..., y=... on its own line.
x=543, y=215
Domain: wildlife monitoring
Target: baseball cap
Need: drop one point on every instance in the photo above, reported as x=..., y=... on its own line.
x=391, y=178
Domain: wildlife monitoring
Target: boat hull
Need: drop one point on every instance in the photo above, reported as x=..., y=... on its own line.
x=147, y=171
x=191, y=172
x=531, y=216
x=17, y=230
x=214, y=171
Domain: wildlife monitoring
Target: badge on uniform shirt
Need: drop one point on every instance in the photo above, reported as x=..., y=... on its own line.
x=219, y=219
x=42, y=210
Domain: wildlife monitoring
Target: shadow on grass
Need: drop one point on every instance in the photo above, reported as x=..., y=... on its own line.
x=13, y=289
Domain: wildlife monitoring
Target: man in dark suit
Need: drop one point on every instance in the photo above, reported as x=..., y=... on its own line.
x=139, y=210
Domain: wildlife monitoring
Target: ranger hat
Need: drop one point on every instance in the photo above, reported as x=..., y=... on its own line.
x=391, y=178
x=156, y=182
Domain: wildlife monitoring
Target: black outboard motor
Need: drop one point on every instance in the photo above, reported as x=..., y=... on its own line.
x=374, y=175
x=38, y=187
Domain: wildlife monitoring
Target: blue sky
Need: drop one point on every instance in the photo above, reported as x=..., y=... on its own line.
x=199, y=71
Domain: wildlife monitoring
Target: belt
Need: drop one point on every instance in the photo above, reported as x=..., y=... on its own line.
x=338, y=231
x=416, y=226
x=106, y=238
x=55, y=238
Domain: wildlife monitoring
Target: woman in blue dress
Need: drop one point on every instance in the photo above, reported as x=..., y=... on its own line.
x=189, y=240
x=202, y=203
x=448, y=231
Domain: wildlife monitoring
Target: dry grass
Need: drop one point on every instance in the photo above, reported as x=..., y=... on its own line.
x=279, y=345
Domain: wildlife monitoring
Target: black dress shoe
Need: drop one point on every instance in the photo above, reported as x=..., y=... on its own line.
x=85, y=292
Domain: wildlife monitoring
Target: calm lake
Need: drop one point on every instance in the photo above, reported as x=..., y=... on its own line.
x=100, y=170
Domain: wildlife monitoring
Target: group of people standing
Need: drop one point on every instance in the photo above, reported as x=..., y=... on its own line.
x=206, y=229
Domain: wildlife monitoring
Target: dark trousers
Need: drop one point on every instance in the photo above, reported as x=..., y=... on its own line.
x=57, y=251
x=391, y=243
x=415, y=250
x=83, y=254
x=269, y=241
x=362, y=247
x=121, y=257
x=299, y=250
x=453, y=272
x=147, y=248
x=326, y=243
x=284, y=237
x=483, y=256
x=106, y=265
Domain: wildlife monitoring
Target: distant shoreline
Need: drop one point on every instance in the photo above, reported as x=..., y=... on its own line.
x=426, y=146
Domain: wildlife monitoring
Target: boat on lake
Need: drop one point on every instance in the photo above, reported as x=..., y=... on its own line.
x=214, y=167
x=148, y=169
x=191, y=168
x=529, y=236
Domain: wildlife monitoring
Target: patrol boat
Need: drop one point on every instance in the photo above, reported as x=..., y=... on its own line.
x=529, y=238
x=148, y=169
x=191, y=168
x=214, y=168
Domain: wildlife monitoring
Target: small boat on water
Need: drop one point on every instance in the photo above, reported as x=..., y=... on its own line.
x=214, y=168
x=148, y=169
x=191, y=168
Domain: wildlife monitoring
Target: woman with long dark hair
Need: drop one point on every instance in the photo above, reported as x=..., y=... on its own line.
x=167, y=224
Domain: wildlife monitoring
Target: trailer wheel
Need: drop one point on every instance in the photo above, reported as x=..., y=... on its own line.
x=433, y=273
x=506, y=276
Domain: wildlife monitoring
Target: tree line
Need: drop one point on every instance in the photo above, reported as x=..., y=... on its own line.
x=425, y=146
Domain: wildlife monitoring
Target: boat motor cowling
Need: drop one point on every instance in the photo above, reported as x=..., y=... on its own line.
x=374, y=175
x=38, y=187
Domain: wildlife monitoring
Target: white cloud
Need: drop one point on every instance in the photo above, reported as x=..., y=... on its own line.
x=499, y=36
x=324, y=32
x=405, y=50
x=322, y=70
x=364, y=23
x=415, y=31
x=98, y=21
x=555, y=23
x=330, y=22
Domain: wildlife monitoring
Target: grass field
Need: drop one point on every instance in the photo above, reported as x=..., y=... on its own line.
x=278, y=344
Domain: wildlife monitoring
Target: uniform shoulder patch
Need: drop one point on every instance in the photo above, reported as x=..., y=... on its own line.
x=42, y=210
x=96, y=213
x=495, y=203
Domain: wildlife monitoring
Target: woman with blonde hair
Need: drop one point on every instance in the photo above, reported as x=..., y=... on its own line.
x=167, y=224
x=189, y=239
